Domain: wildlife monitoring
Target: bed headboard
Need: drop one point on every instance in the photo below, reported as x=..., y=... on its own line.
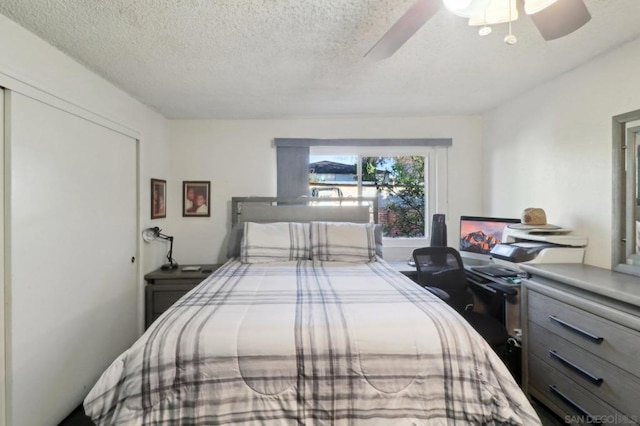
x=304, y=209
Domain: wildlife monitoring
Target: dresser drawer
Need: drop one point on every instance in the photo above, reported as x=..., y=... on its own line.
x=555, y=389
x=609, y=383
x=606, y=339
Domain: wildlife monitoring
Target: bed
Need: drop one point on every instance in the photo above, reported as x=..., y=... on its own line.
x=308, y=325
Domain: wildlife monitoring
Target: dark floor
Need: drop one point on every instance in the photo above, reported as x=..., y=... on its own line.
x=78, y=418
x=546, y=416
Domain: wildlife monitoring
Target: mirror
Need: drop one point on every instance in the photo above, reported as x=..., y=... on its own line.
x=625, y=243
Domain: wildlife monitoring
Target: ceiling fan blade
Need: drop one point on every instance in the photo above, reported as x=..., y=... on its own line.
x=561, y=18
x=403, y=29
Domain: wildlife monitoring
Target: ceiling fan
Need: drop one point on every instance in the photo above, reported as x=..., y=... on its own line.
x=553, y=18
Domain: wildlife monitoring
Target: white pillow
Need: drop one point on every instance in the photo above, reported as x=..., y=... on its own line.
x=275, y=242
x=343, y=241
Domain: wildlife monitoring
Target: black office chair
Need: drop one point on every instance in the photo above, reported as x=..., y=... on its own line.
x=440, y=271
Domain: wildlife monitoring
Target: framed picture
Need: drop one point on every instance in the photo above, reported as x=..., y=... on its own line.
x=195, y=198
x=158, y=198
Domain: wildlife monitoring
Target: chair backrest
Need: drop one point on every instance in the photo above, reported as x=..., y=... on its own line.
x=440, y=267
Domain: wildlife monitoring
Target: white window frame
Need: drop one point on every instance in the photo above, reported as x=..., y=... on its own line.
x=436, y=173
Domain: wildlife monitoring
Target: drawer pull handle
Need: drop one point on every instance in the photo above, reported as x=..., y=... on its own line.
x=575, y=329
x=584, y=373
x=554, y=390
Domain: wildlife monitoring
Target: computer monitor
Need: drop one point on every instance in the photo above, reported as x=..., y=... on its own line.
x=479, y=234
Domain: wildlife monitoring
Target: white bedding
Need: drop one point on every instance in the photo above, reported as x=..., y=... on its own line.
x=308, y=342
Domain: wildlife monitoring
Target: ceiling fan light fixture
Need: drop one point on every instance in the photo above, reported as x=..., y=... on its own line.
x=466, y=8
x=553, y=19
x=498, y=12
x=535, y=6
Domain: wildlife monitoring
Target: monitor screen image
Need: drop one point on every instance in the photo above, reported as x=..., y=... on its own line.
x=479, y=234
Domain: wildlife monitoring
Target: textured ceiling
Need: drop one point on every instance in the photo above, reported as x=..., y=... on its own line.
x=304, y=58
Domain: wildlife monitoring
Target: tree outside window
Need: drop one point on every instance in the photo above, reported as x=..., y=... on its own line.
x=401, y=183
x=397, y=181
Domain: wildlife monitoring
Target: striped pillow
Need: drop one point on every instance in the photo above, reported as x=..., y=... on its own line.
x=275, y=242
x=343, y=241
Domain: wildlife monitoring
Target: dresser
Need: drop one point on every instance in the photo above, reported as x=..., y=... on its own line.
x=165, y=287
x=581, y=342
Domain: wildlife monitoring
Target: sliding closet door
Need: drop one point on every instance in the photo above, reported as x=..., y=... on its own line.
x=72, y=282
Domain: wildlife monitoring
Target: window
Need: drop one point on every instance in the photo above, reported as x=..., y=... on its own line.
x=399, y=178
x=408, y=175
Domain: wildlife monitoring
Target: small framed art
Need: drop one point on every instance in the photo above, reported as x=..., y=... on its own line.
x=195, y=198
x=158, y=198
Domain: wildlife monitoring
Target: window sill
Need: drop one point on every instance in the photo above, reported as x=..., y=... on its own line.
x=405, y=242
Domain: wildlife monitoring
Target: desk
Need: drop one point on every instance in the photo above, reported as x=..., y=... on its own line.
x=511, y=312
x=511, y=309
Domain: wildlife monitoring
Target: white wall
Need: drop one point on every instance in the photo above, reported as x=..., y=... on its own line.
x=28, y=63
x=551, y=148
x=239, y=159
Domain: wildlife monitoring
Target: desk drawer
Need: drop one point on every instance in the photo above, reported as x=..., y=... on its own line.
x=609, y=383
x=566, y=394
x=603, y=338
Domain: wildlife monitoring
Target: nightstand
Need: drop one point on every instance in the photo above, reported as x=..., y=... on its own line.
x=164, y=288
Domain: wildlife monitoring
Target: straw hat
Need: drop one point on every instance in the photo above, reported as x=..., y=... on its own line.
x=533, y=218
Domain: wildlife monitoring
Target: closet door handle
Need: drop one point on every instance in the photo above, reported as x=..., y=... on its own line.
x=584, y=373
x=577, y=330
x=592, y=419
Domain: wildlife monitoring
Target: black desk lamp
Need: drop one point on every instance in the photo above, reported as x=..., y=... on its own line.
x=151, y=234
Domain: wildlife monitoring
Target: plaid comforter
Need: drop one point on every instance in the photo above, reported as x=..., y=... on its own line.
x=308, y=343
